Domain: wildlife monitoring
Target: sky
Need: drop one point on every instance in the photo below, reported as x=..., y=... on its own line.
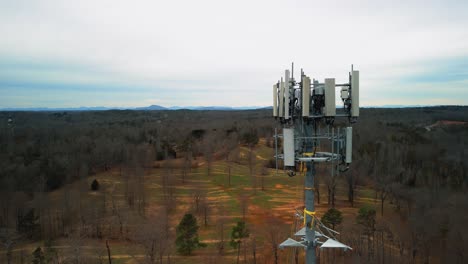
x=230, y=53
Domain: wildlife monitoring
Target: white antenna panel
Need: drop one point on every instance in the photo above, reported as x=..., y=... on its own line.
x=344, y=93
x=281, y=99
x=330, y=104
x=305, y=96
x=349, y=144
x=355, y=94
x=288, y=146
x=286, y=94
x=275, y=100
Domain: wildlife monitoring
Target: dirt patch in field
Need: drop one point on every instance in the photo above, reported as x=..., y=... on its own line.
x=446, y=123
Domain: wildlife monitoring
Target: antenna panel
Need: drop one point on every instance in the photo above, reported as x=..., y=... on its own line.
x=344, y=93
x=330, y=104
x=288, y=147
x=305, y=96
x=355, y=94
x=275, y=100
x=349, y=144
x=286, y=94
x=318, y=90
x=281, y=99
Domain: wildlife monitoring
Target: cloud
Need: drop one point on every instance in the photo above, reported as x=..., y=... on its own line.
x=189, y=52
x=441, y=72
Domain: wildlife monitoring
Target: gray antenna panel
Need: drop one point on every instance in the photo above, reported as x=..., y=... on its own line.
x=305, y=96
x=275, y=100
x=349, y=145
x=288, y=147
x=286, y=94
x=355, y=93
x=281, y=99
x=330, y=105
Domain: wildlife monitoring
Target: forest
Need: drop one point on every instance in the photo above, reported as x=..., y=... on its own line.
x=182, y=186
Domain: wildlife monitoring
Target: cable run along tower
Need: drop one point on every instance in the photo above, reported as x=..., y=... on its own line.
x=306, y=110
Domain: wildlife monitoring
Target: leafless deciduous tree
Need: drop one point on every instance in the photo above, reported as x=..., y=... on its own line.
x=8, y=238
x=168, y=186
x=76, y=241
x=220, y=229
x=119, y=214
x=208, y=152
x=251, y=162
x=152, y=235
x=264, y=173
x=198, y=195
x=187, y=165
x=253, y=246
x=274, y=234
x=231, y=146
x=201, y=204
x=352, y=179
x=331, y=178
x=386, y=168
x=244, y=204
x=109, y=258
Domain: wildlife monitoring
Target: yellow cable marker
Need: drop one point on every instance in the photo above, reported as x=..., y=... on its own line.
x=311, y=213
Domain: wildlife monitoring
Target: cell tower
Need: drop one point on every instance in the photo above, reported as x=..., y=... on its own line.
x=306, y=110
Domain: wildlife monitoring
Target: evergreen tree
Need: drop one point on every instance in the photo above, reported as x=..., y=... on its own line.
x=366, y=218
x=238, y=233
x=250, y=137
x=38, y=256
x=95, y=185
x=187, y=235
x=332, y=218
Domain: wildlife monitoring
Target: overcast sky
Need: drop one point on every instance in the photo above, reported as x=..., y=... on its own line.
x=200, y=53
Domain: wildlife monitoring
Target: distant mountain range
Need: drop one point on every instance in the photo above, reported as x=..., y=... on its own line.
x=158, y=107
x=146, y=108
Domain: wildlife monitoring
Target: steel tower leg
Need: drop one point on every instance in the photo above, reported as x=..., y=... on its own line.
x=309, y=202
x=309, y=206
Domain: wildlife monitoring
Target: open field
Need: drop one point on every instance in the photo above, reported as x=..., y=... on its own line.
x=280, y=196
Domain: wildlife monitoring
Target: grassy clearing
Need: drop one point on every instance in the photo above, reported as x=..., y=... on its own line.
x=280, y=196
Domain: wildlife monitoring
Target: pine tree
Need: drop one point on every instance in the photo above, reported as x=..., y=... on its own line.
x=38, y=256
x=95, y=185
x=332, y=218
x=187, y=235
x=238, y=233
x=366, y=218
